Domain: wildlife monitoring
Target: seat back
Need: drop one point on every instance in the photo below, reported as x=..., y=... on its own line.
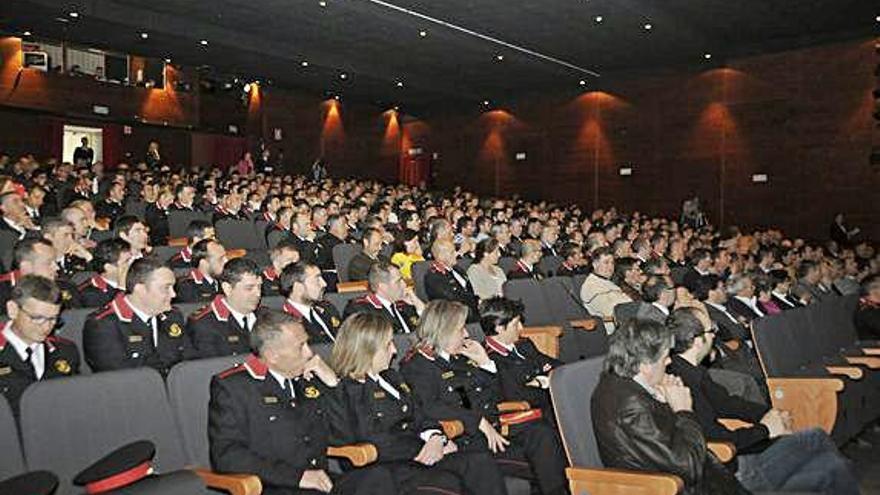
x=781, y=341
x=189, y=390
x=178, y=221
x=342, y=255
x=419, y=270
x=69, y=423
x=571, y=387
x=528, y=291
x=165, y=253
x=464, y=263
x=340, y=299
x=239, y=234
x=506, y=263
x=73, y=321
x=273, y=302
x=12, y=460
x=564, y=302
x=403, y=342
x=624, y=312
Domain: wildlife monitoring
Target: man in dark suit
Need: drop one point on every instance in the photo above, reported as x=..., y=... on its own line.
x=337, y=233
x=138, y=328
x=742, y=302
x=156, y=217
x=275, y=415
x=304, y=288
x=444, y=281
x=223, y=327
x=195, y=232
x=28, y=350
x=113, y=206
x=112, y=257
x=359, y=266
x=83, y=154
x=36, y=257
x=711, y=290
x=202, y=282
x=526, y=265
x=658, y=297
x=573, y=261
x=390, y=297
x=867, y=317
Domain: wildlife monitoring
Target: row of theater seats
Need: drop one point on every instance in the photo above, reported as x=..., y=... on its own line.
x=817, y=368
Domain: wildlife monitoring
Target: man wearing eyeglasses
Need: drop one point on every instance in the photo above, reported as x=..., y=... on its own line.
x=28, y=351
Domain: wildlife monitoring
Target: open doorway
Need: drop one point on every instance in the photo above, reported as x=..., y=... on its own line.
x=73, y=135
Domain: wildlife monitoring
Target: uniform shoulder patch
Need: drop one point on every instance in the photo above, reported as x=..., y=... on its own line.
x=238, y=368
x=104, y=312
x=201, y=312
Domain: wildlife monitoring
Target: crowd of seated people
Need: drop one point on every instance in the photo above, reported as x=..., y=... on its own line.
x=71, y=238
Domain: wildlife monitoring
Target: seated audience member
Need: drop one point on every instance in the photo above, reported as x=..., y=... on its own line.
x=113, y=206
x=184, y=198
x=224, y=326
x=523, y=370
x=764, y=296
x=156, y=218
x=573, y=261
x=28, y=350
x=742, y=301
x=810, y=281
x=275, y=415
x=304, y=236
x=15, y=219
x=643, y=418
x=628, y=275
x=407, y=252
x=769, y=455
x=700, y=266
x=452, y=377
x=780, y=292
x=549, y=237
x=195, y=232
x=867, y=317
x=304, y=288
x=82, y=227
x=657, y=300
x=36, y=257
x=384, y=413
x=530, y=254
x=337, y=233
x=712, y=291
x=132, y=230
x=598, y=293
x=390, y=297
x=201, y=283
x=283, y=254
x=71, y=257
x=279, y=228
x=111, y=259
x=484, y=274
x=359, y=266
x=140, y=327
x=445, y=281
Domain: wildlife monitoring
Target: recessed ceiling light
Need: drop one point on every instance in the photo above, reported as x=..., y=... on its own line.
x=396, y=108
x=486, y=103
x=598, y=19
x=168, y=60
x=247, y=88
x=73, y=14
x=648, y=26
x=877, y=18
x=203, y=42
x=423, y=33
x=145, y=35
x=322, y=3
x=343, y=76
x=26, y=33
x=499, y=57
x=399, y=84
x=336, y=97
x=707, y=56
x=304, y=63
x=582, y=82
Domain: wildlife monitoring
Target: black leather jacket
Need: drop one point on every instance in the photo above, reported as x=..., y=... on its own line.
x=635, y=431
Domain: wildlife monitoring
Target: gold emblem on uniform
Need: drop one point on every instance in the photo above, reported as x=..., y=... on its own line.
x=175, y=331
x=311, y=392
x=62, y=366
x=378, y=395
x=447, y=375
x=414, y=320
x=334, y=321
x=65, y=295
x=404, y=387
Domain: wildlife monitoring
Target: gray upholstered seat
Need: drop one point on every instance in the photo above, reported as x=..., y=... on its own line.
x=537, y=307
x=342, y=255
x=72, y=323
x=549, y=265
x=12, y=460
x=571, y=387
x=419, y=270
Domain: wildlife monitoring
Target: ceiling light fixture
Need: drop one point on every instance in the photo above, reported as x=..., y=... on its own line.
x=304, y=63
x=499, y=57
x=322, y=3
x=582, y=82
x=485, y=103
x=26, y=33
x=73, y=14
x=168, y=60
x=399, y=84
x=648, y=26
x=343, y=76
x=145, y=35
x=203, y=42
x=707, y=56
x=423, y=33
x=247, y=88
x=336, y=98
x=598, y=19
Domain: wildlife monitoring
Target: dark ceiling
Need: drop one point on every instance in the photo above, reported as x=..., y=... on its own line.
x=376, y=43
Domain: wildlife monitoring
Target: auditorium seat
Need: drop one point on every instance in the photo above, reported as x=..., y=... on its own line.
x=548, y=265
x=340, y=299
x=537, y=308
x=165, y=253
x=71, y=326
x=571, y=387
x=342, y=256
x=506, y=263
x=419, y=270
x=239, y=234
x=178, y=221
x=12, y=460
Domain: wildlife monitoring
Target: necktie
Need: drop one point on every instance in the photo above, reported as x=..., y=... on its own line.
x=154, y=334
x=246, y=324
x=399, y=317
x=313, y=316
x=288, y=387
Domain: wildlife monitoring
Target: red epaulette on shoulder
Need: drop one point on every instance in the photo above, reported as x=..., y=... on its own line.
x=105, y=312
x=201, y=312
x=54, y=339
x=238, y=368
x=6, y=277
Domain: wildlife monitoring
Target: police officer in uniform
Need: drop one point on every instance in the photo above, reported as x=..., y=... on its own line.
x=36, y=257
x=452, y=377
x=444, y=281
x=283, y=254
x=195, y=232
x=201, y=284
x=385, y=413
x=530, y=255
x=275, y=415
x=523, y=370
x=112, y=257
x=28, y=351
x=304, y=287
x=223, y=327
x=390, y=297
x=140, y=327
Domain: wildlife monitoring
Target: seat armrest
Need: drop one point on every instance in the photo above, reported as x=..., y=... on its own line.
x=724, y=451
x=587, y=324
x=812, y=402
x=452, y=428
x=546, y=339
x=359, y=454
x=513, y=406
x=872, y=362
x=852, y=372
x=178, y=242
x=358, y=286
x=234, y=484
x=604, y=481
x=235, y=253
x=734, y=424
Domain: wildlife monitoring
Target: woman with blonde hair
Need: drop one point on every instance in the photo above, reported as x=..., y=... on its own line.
x=452, y=377
x=384, y=413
